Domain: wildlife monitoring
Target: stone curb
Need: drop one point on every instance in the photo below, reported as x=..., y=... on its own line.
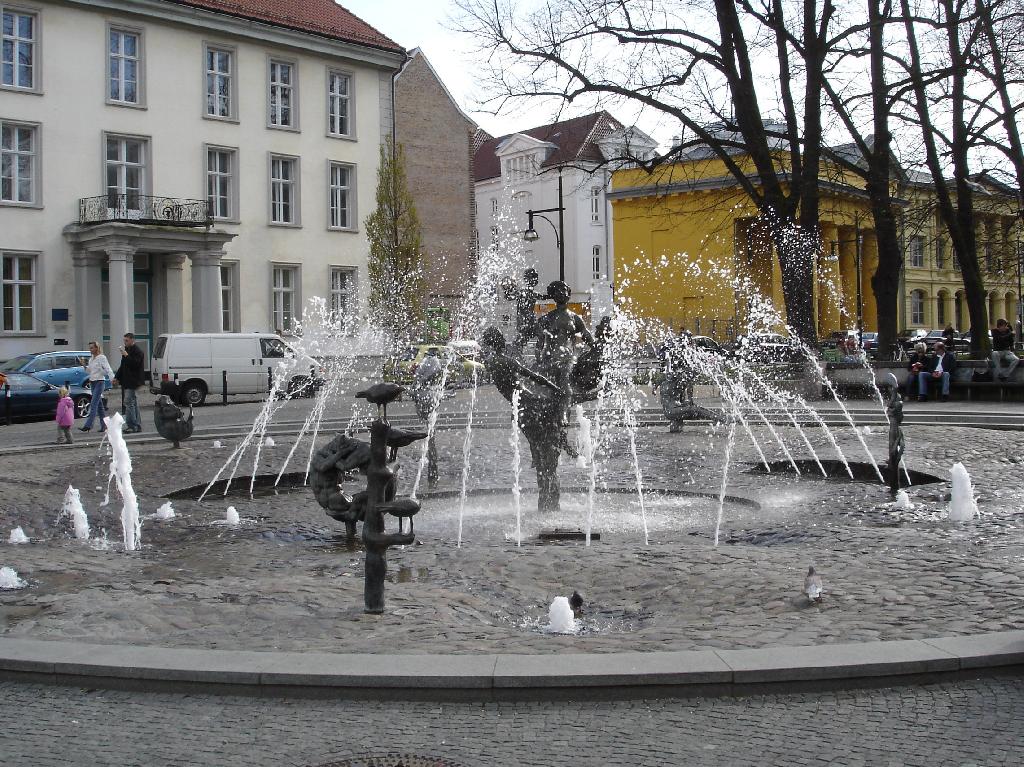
x=485, y=676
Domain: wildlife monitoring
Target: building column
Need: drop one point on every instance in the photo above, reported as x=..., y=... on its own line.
x=88, y=317
x=121, y=267
x=830, y=288
x=847, y=264
x=869, y=265
x=174, y=295
x=206, y=291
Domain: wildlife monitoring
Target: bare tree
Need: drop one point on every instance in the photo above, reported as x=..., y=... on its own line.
x=701, y=64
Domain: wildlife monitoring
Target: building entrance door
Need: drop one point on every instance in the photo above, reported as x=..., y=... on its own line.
x=143, y=318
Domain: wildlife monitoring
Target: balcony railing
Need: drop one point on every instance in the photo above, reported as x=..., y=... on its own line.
x=143, y=209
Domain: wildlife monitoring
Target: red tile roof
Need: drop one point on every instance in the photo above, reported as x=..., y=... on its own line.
x=319, y=17
x=575, y=140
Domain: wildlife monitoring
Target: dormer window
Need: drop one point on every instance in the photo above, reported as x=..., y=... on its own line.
x=520, y=168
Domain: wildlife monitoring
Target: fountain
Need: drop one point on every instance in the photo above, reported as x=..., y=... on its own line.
x=962, y=506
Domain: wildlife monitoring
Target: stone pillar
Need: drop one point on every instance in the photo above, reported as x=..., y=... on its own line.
x=88, y=316
x=848, y=272
x=830, y=283
x=174, y=292
x=206, y=293
x=869, y=265
x=121, y=267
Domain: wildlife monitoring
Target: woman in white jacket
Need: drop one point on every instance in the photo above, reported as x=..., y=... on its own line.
x=100, y=372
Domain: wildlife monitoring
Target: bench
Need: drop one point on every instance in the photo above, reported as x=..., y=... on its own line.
x=1015, y=389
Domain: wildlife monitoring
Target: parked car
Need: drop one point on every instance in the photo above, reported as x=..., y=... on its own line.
x=198, y=362
x=869, y=343
x=464, y=355
x=32, y=397
x=62, y=368
x=768, y=348
x=58, y=368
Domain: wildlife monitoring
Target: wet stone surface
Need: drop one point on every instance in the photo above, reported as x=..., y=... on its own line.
x=287, y=579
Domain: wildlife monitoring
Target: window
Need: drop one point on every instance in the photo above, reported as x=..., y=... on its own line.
x=220, y=83
x=229, y=297
x=494, y=206
x=339, y=118
x=273, y=348
x=340, y=192
x=18, y=163
x=494, y=235
x=283, y=190
x=286, y=279
x=282, y=94
x=989, y=260
x=917, y=252
x=124, y=67
x=221, y=187
x=940, y=254
x=19, y=293
x=917, y=307
x=343, y=291
x=18, y=58
x=126, y=172
x=956, y=264
x=595, y=205
x=519, y=168
x=597, y=271
x=940, y=309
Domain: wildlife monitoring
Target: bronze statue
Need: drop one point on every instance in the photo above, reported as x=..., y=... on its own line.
x=547, y=392
x=894, y=409
x=170, y=421
x=343, y=455
x=525, y=299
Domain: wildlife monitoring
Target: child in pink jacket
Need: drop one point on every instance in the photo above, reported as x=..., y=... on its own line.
x=65, y=417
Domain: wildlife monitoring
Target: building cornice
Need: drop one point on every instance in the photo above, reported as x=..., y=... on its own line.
x=263, y=32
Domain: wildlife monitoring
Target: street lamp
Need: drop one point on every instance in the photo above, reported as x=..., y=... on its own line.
x=531, y=234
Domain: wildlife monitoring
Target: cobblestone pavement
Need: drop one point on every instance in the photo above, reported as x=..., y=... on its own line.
x=969, y=722
x=284, y=580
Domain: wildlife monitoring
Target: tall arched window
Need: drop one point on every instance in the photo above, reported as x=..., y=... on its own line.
x=917, y=307
x=940, y=309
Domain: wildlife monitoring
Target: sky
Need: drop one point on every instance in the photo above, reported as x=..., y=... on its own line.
x=426, y=24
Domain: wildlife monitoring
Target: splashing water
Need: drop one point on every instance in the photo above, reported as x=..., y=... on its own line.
x=121, y=470
x=165, y=512
x=560, y=617
x=902, y=502
x=467, y=442
x=73, y=508
x=962, y=506
x=231, y=516
x=513, y=439
x=431, y=428
x=9, y=579
x=18, y=536
x=584, y=439
x=726, y=459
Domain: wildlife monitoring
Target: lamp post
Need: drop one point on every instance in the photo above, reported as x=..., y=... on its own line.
x=531, y=235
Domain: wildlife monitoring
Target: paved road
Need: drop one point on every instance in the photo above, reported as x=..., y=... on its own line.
x=974, y=722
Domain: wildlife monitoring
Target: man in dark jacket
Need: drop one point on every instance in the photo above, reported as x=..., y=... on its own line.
x=938, y=369
x=130, y=376
x=1002, y=349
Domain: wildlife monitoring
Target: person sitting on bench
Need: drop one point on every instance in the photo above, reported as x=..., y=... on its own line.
x=938, y=368
x=1002, y=350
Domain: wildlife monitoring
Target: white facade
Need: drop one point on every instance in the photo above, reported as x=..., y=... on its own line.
x=147, y=130
x=526, y=184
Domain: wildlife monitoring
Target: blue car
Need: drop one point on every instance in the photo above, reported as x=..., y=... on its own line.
x=31, y=397
x=63, y=368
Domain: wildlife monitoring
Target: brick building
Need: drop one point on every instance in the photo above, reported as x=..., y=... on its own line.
x=438, y=140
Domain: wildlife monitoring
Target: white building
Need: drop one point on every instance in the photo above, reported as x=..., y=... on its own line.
x=528, y=167
x=173, y=165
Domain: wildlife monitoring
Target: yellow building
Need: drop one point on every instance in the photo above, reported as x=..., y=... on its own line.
x=687, y=238
x=933, y=287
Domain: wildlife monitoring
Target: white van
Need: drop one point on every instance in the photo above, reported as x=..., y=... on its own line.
x=198, y=363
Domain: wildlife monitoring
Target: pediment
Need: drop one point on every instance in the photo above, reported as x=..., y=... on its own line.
x=519, y=143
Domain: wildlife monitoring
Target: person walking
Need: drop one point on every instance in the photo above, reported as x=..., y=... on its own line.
x=1002, y=349
x=99, y=372
x=65, y=417
x=129, y=375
